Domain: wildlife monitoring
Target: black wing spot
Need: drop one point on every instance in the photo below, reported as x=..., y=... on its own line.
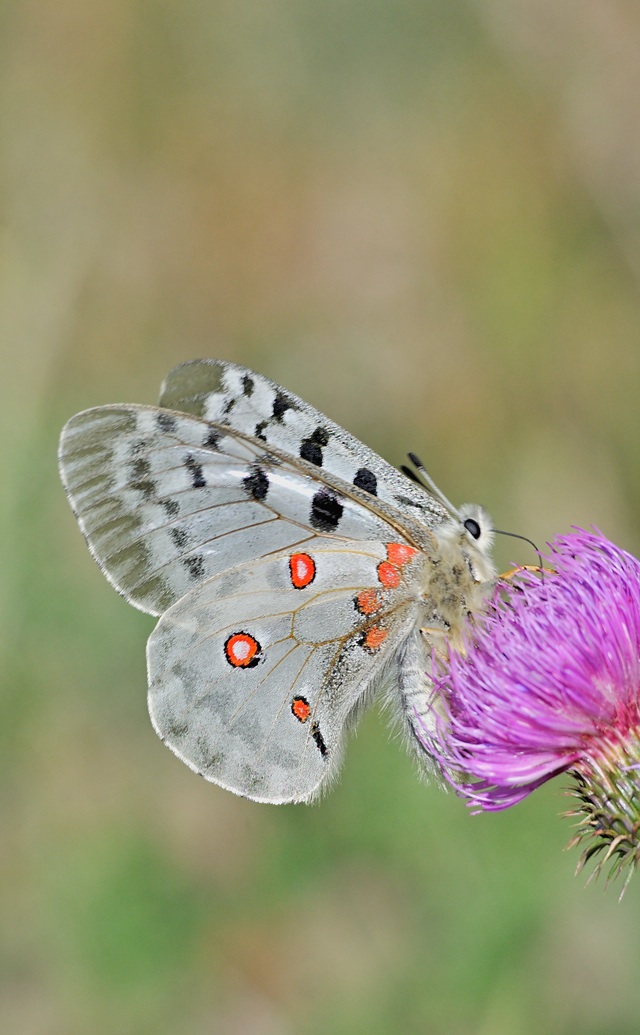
x=326, y=511
x=172, y=507
x=140, y=469
x=280, y=406
x=180, y=537
x=247, y=385
x=311, y=448
x=176, y=728
x=140, y=479
x=195, y=470
x=260, y=429
x=229, y=406
x=311, y=451
x=320, y=436
x=256, y=484
x=212, y=439
x=166, y=421
x=194, y=565
x=366, y=480
x=319, y=739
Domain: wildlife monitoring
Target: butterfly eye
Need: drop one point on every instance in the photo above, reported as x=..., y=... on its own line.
x=473, y=528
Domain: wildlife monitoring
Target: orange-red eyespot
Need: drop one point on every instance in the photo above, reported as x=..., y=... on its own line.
x=242, y=650
x=301, y=708
x=368, y=602
x=389, y=575
x=400, y=553
x=374, y=637
x=302, y=568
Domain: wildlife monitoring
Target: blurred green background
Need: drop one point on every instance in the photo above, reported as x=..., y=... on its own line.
x=424, y=218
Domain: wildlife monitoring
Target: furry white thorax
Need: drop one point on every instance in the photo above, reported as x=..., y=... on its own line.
x=458, y=578
x=459, y=575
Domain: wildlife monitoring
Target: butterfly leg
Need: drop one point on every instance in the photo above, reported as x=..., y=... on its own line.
x=506, y=575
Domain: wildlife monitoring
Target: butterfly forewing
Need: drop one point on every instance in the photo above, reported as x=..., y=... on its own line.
x=255, y=406
x=167, y=500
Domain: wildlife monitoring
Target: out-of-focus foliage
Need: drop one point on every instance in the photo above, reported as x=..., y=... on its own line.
x=423, y=217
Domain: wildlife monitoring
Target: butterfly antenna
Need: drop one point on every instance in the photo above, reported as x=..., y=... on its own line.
x=514, y=535
x=411, y=474
x=417, y=463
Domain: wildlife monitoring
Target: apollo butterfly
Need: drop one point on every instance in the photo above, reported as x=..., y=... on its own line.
x=293, y=571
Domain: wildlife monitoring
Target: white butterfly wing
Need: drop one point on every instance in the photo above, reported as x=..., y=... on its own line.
x=235, y=397
x=255, y=675
x=201, y=510
x=167, y=500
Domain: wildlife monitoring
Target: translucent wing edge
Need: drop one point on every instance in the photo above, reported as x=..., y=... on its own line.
x=65, y=453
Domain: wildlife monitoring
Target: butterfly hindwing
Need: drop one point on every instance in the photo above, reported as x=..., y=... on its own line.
x=256, y=674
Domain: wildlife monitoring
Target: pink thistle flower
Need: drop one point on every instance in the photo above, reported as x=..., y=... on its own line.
x=551, y=684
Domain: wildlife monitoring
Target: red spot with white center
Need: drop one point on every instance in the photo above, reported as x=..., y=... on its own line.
x=302, y=568
x=242, y=650
x=301, y=708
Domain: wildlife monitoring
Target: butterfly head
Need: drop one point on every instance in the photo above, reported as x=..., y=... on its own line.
x=469, y=531
x=478, y=527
